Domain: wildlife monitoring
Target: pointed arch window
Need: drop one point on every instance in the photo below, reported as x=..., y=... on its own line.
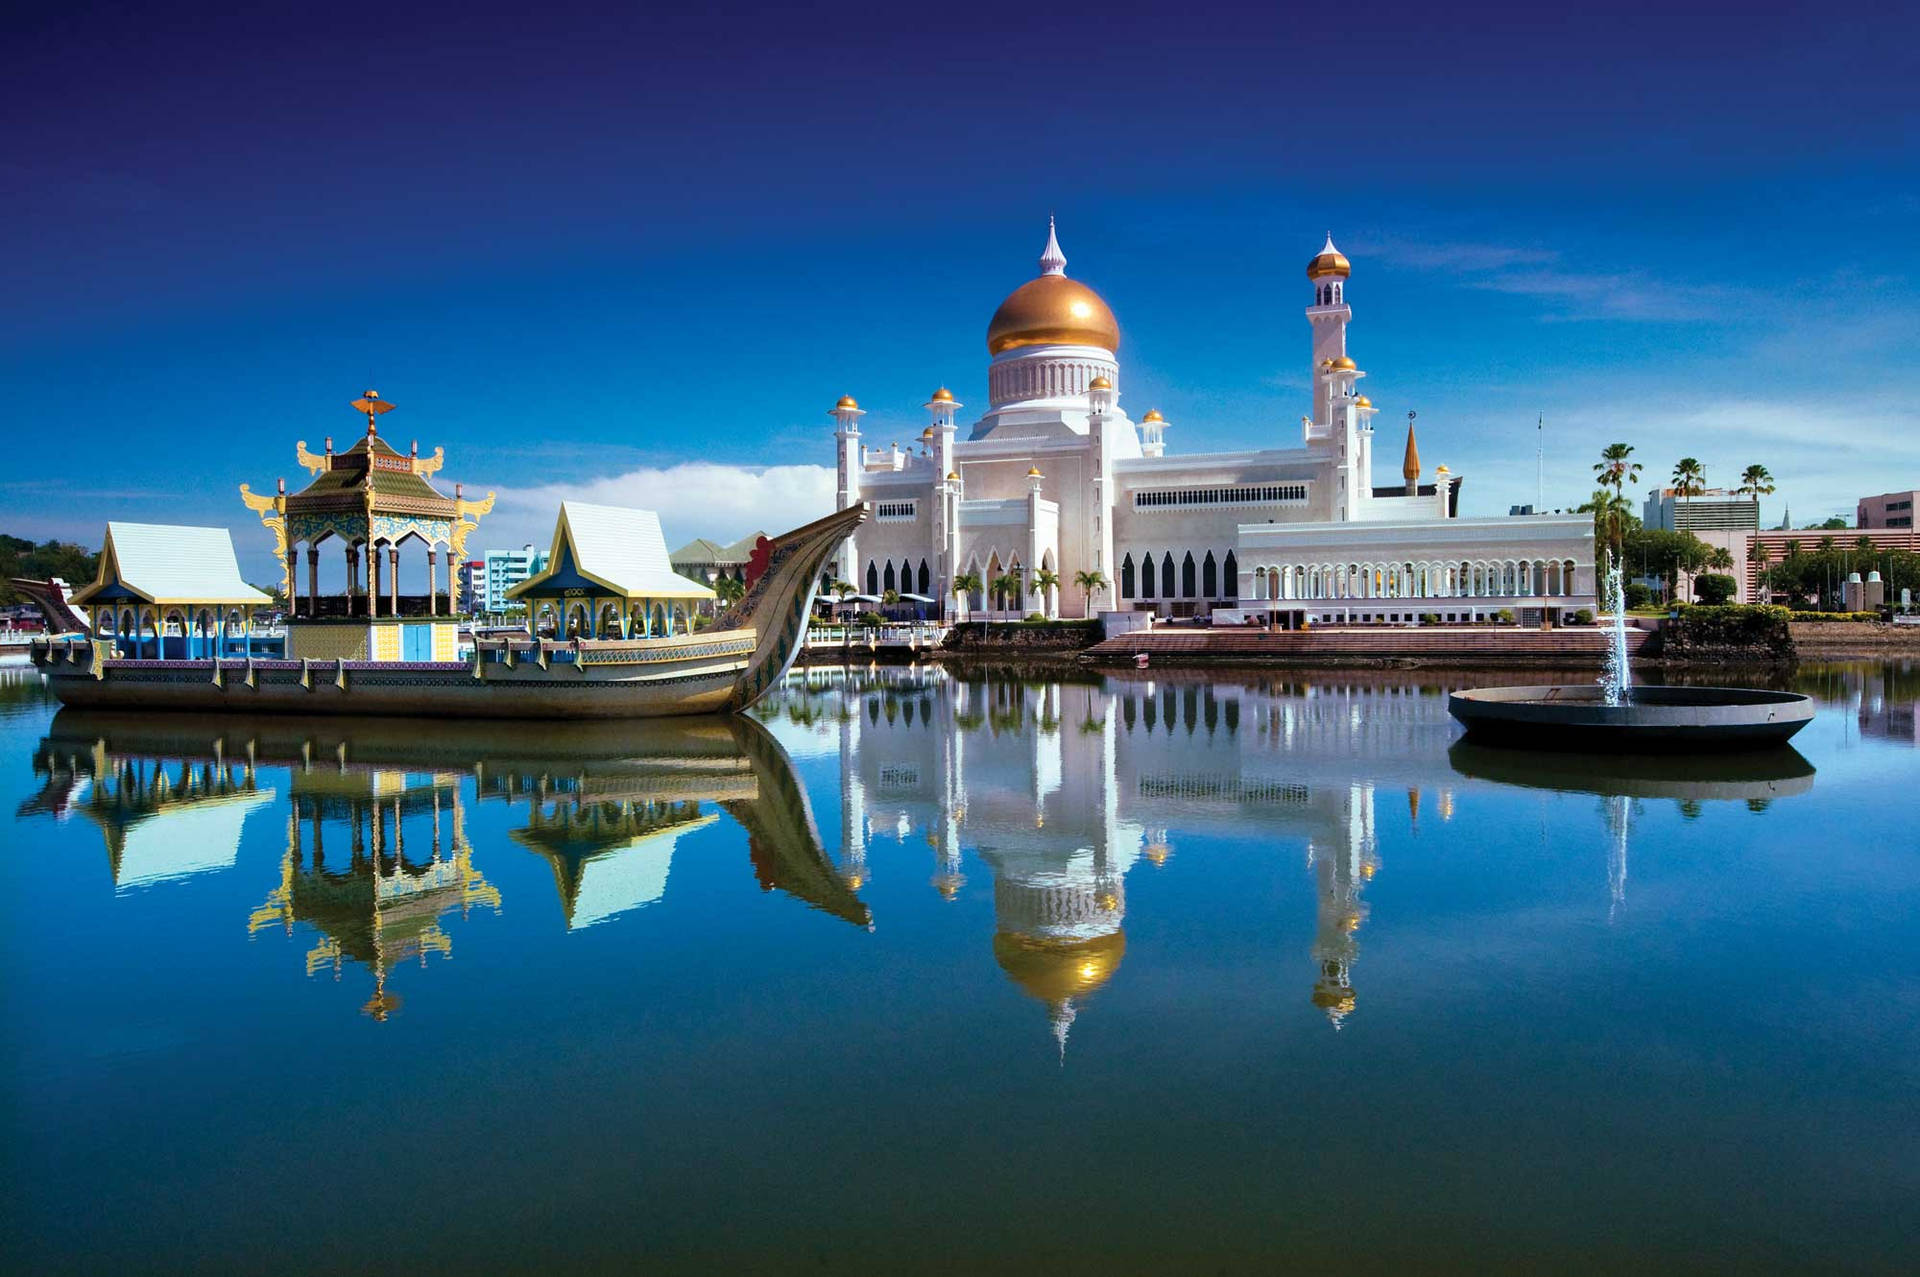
x=1166, y=575
x=1232, y=568
x=926, y=580
x=873, y=578
x=887, y=580
x=1210, y=577
x=1188, y=585
x=1126, y=577
x=1146, y=577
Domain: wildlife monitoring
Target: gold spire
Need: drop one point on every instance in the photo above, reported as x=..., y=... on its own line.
x=1410, y=467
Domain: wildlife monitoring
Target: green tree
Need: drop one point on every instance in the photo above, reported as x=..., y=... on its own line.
x=729, y=590
x=1689, y=478
x=1092, y=583
x=1755, y=482
x=1616, y=469
x=1610, y=516
x=965, y=584
x=1045, y=580
x=73, y=564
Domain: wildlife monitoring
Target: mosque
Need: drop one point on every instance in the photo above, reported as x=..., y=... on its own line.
x=1056, y=482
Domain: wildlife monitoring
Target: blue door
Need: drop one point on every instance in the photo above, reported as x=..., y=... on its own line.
x=416, y=642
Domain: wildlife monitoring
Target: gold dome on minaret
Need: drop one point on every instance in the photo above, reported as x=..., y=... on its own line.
x=1329, y=261
x=1053, y=311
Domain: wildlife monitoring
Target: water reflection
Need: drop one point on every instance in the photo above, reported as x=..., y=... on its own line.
x=1621, y=780
x=1059, y=790
x=377, y=859
x=1064, y=789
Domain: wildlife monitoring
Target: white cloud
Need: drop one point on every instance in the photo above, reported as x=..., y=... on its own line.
x=694, y=499
x=1539, y=273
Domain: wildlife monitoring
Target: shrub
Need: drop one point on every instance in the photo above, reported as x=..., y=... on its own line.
x=1713, y=589
x=1429, y=618
x=1036, y=618
x=1583, y=617
x=1504, y=616
x=1638, y=595
x=872, y=620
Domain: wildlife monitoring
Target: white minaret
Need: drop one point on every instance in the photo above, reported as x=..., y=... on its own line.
x=946, y=490
x=1328, y=314
x=1102, y=401
x=846, y=435
x=1153, y=434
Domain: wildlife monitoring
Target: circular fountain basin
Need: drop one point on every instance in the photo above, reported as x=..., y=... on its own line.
x=1577, y=717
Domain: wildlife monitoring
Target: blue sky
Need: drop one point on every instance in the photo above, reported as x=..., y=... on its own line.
x=637, y=254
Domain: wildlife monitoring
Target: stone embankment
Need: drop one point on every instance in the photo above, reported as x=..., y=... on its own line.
x=1020, y=638
x=1733, y=635
x=1830, y=639
x=1494, y=648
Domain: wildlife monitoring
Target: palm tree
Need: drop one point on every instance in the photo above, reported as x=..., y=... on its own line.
x=1609, y=516
x=1689, y=478
x=843, y=590
x=1793, y=548
x=1721, y=560
x=1755, y=482
x=1615, y=467
x=1045, y=580
x=1005, y=586
x=1864, y=544
x=1761, y=557
x=729, y=590
x=1092, y=583
x=964, y=584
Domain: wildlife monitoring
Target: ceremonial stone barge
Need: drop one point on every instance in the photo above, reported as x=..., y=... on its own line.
x=173, y=626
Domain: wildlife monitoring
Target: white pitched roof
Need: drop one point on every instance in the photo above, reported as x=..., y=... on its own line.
x=166, y=563
x=622, y=548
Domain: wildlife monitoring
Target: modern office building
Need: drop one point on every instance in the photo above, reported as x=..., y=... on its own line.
x=1715, y=510
x=1888, y=510
x=507, y=568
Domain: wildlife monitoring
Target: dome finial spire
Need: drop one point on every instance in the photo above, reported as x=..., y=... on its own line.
x=1052, y=260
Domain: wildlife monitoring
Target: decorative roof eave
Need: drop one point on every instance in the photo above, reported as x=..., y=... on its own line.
x=563, y=556
x=228, y=588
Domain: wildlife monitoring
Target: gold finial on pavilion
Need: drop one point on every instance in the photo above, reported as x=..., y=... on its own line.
x=373, y=405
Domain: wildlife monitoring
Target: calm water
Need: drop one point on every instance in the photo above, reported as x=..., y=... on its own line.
x=930, y=974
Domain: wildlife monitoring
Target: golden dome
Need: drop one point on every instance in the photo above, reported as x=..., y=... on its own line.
x=1363, y=402
x=1099, y=383
x=1442, y=470
x=953, y=476
x=1033, y=472
x=1329, y=261
x=1053, y=310
x=927, y=433
x=846, y=401
x=1055, y=970
x=1153, y=414
x=943, y=395
x=1343, y=364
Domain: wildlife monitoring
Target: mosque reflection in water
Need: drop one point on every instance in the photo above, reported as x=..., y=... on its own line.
x=1064, y=789
x=1060, y=790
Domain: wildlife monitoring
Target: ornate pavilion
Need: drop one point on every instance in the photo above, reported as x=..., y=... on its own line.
x=370, y=498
